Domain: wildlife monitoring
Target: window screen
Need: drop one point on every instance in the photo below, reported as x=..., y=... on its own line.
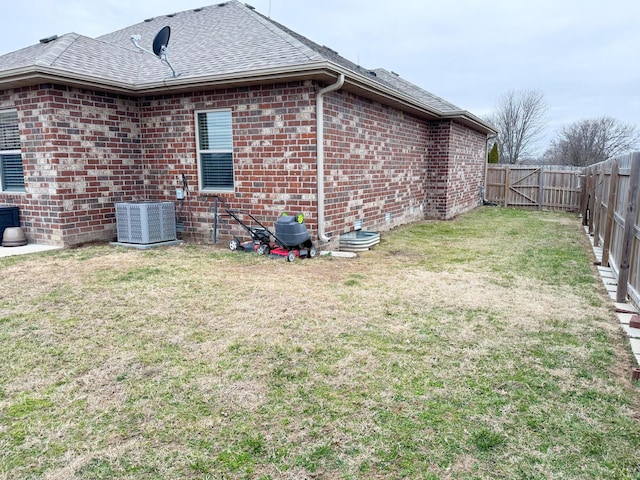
x=11, y=173
x=215, y=150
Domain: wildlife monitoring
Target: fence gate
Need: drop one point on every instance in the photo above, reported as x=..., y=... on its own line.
x=543, y=187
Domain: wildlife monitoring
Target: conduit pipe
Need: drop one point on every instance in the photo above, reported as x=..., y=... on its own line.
x=320, y=151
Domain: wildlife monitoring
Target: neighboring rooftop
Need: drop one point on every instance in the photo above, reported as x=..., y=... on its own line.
x=222, y=44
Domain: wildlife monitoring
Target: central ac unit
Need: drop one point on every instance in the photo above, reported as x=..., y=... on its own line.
x=145, y=222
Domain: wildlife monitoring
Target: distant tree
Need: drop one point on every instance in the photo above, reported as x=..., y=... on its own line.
x=493, y=154
x=590, y=141
x=520, y=117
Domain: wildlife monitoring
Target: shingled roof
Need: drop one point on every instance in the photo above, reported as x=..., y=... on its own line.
x=219, y=45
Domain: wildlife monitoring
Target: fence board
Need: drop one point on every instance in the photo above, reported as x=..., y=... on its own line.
x=617, y=211
x=598, y=200
x=535, y=186
x=612, y=186
x=628, y=232
x=606, y=194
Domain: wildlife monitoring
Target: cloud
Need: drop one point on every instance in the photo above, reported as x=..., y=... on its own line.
x=580, y=53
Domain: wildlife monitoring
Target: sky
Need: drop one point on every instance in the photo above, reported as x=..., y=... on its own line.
x=583, y=55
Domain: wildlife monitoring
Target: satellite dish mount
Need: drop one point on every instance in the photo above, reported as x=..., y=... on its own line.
x=160, y=46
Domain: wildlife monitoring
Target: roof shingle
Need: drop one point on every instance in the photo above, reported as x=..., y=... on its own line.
x=217, y=41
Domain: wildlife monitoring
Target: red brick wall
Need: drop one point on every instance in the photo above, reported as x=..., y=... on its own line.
x=274, y=154
x=455, y=169
x=81, y=153
x=437, y=170
x=467, y=171
x=84, y=151
x=383, y=167
x=375, y=159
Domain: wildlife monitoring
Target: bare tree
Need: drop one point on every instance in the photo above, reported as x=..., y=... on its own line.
x=591, y=141
x=520, y=117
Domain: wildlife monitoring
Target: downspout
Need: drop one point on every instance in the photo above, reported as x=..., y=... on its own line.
x=320, y=151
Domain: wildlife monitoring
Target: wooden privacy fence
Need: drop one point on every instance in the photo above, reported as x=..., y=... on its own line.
x=546, y=187
x=610, y=205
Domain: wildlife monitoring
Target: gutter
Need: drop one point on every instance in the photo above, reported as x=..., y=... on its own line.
x=34, y=74
x=320, y=151
x=322, y=70
x=470, y=120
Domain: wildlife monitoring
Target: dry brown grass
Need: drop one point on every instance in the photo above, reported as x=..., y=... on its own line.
x=448, y=352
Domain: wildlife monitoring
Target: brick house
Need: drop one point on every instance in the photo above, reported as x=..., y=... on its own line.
x=87, y=123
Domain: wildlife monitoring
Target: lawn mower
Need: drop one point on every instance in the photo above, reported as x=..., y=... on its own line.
x=290, y=240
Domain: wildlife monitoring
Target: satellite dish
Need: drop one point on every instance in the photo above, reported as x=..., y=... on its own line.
x=160, y=46
x=161, y=42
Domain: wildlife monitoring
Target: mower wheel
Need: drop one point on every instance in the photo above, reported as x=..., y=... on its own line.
x=263, y=249
x=233, y=245
x=312, y=252
x=291, y=256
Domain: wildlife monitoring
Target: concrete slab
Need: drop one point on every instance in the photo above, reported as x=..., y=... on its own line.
x=631, y=332
x=147, y=246
x=625, y=318
x=339, y=254
x=26, y=249
x=606, y=272
x=624, y=311
x=625, y=308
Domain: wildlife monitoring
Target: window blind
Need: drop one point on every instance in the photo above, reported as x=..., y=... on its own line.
x=9, y=133
x=215, y=131
x=215, y=141
x=12, y=175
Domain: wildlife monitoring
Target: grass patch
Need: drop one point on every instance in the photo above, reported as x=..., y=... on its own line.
x=482, y=348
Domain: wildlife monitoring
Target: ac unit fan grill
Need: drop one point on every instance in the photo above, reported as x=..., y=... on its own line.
x=145, y=222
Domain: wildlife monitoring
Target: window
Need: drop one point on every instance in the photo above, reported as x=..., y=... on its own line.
x=11, y=173
x=215, y=150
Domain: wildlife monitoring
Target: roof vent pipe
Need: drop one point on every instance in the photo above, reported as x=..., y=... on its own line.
x=320, y=151
x=49, y=39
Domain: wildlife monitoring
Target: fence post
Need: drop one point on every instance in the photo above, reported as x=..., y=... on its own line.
x=541, y=188
x=592, y=191
x=585, y=195
x=507, y=177
x=629, y=223
x=597, y=207
x=611, y=210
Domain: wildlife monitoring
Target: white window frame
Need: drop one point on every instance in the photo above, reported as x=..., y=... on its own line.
x=226, y=149
x=8, y=152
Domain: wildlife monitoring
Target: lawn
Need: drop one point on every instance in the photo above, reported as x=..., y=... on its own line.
x=479, y=348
